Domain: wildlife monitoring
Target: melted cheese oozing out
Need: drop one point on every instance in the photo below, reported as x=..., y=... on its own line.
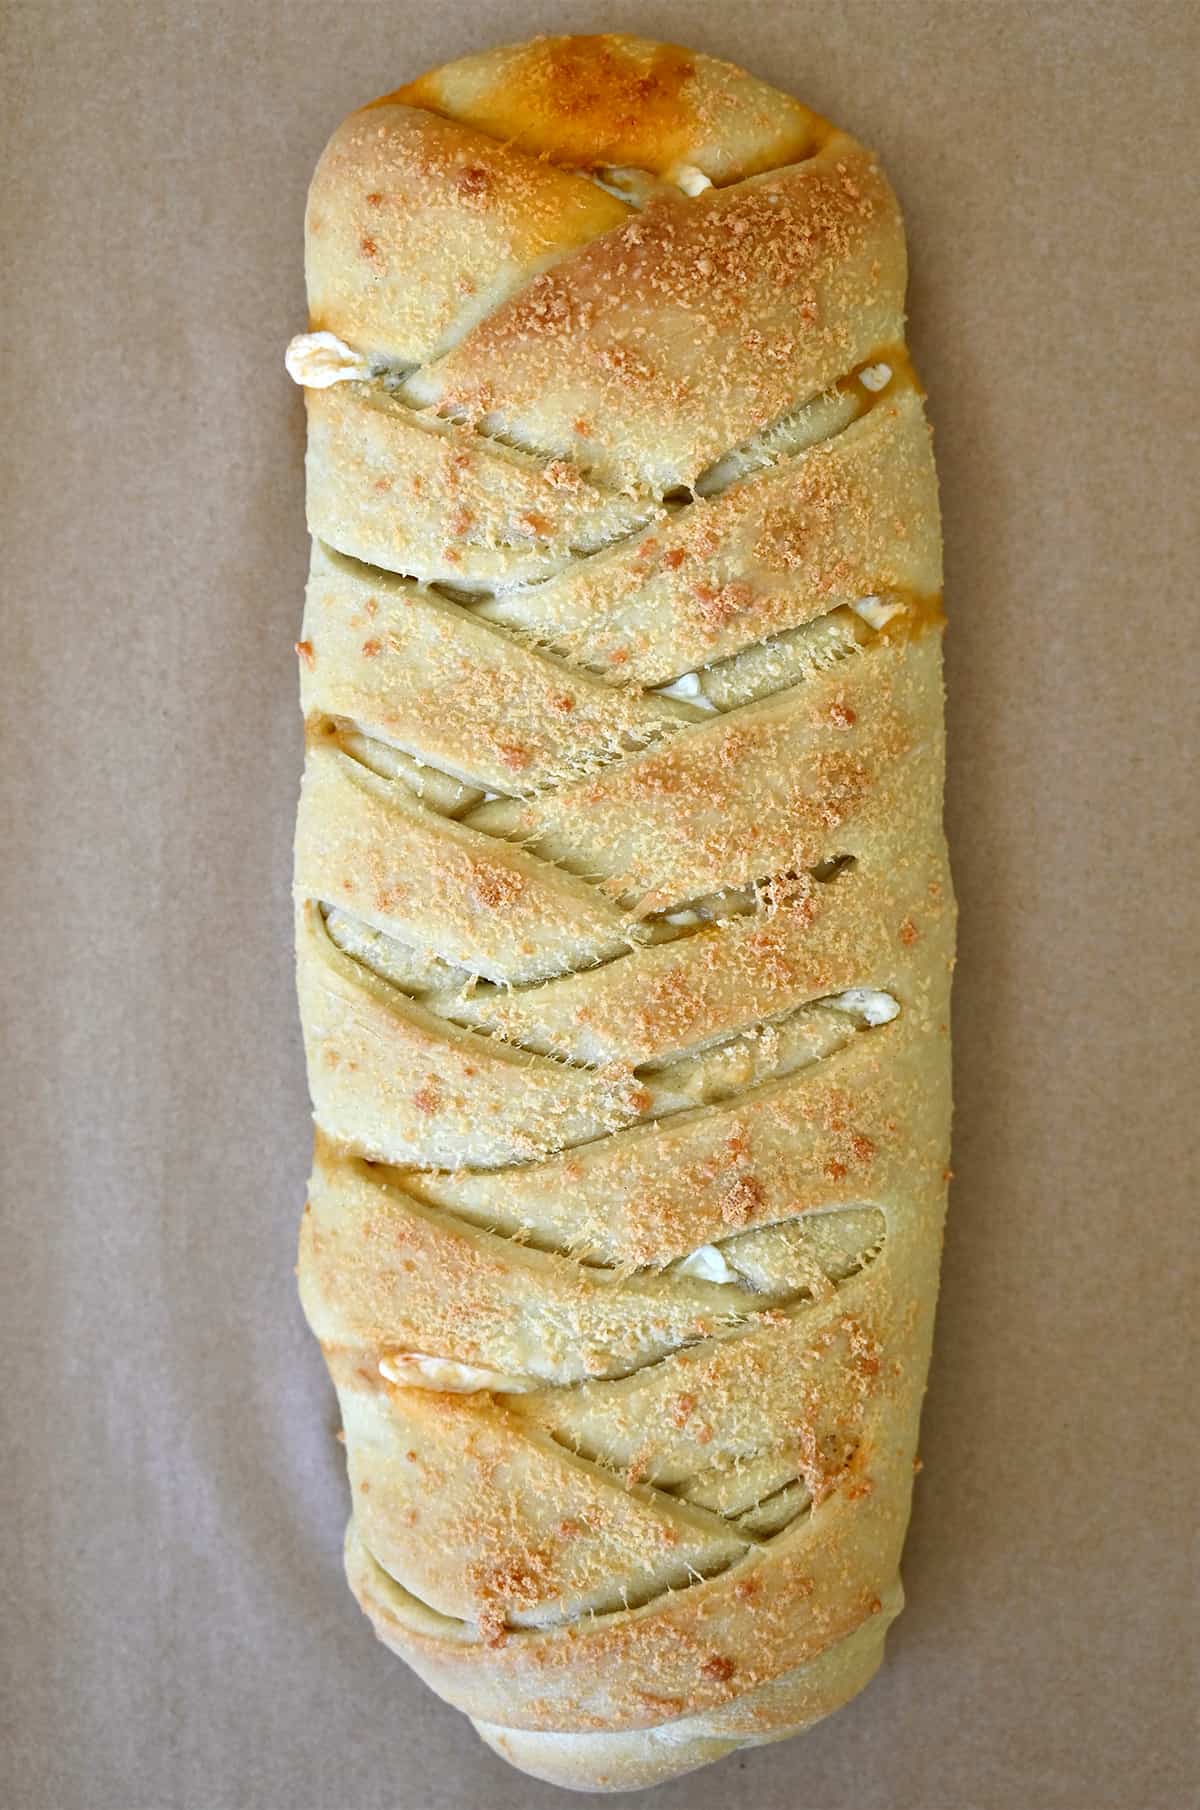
x=688, y=689
x=316, y=360
x=413, y=1370
x=875, y=377
x=866, y=1003
x=875, y=611
x=707, y=1265
x=639, y=187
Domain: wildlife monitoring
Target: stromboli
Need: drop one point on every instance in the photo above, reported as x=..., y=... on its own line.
x=624, y=919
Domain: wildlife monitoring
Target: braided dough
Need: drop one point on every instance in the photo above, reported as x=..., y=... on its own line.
x=624, y=922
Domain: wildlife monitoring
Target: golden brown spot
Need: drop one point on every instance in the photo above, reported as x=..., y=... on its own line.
x=561, y=475
x=624, y=363
x=494, y=886
x=719, y=604
x=741, y=1200
x=428, y=1098
x=770, y=948
x=513, y=754
x=492, y=1630
x=386, y=483
x=717, y=1669
x=371, y=648
x=368, y=246
x=305, y=651
x=841, y=715
x=562, y=702
x=518, y=1577
x=474, y=180
x=864, y=1347
x=375, y=199
x=582, y=101
x=908, y=933
x=844, y=782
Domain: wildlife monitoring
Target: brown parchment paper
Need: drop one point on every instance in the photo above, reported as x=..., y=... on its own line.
x=176, y=1633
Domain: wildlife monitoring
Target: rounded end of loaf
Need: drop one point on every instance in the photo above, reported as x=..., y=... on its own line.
x=635, y=1759
x=615, y=100
x=605, y=1762
x=446, y=1655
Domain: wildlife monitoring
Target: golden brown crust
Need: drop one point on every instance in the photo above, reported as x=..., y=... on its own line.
x=624, y=927
x=619, y=101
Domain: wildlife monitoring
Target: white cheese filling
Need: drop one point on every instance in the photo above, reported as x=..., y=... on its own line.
x=875, y=611
x=875, y=377
x=414, y=1370
x=317, y=360
x=867, y=1003
x=688, y=689
x=687, y=177
x=706, y=1264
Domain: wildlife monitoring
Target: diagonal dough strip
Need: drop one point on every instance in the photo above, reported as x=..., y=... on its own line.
x=777, y=548
x=627, y=356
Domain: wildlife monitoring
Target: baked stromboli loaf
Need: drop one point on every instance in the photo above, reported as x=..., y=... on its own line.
x=624, y=923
